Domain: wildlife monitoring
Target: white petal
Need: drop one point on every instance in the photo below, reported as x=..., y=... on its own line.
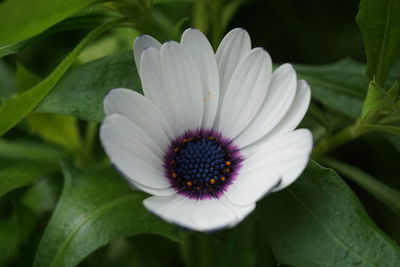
x=280, y=96
x=141, y=43
x=125, y=128
x=154, y=87
x=292, y=118
x=246, y=93
x=202, y=53
x=296, y=111
x=133, y=158
x=275, y=165
x=297, y=169
x=212, y=214
x=233, y=48
x=152, y=191
x=142, y=112
x=240, y=212
x=174, y=209
x=199, y=215
x=183, y=83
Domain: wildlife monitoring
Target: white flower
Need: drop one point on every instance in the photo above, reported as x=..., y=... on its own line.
x=212, y=134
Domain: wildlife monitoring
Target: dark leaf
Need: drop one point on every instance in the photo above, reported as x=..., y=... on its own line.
x=15, y=109
x=17, y=24
x=379, y=21
x=17, y=174
x=81, y=91
x=341, y=86
x=318, y=221
x=95, y=208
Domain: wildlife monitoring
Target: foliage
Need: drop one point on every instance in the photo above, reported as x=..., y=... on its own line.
x=382, y=37
x=327, y=225
x=62, y=203
x=92, y=211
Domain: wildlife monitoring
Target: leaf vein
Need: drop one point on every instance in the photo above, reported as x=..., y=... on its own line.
x=384, y=40
x=340, y=242
x=96, y=213
x=336, y=87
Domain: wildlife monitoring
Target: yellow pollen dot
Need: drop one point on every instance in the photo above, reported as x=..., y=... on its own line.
x=189, y=183
x=212, y=181
x=228, y=163
x=185, y=140
x=227, y=170
x=223, y=178
x=174, y=175
x=176, y=149
x=197, y=188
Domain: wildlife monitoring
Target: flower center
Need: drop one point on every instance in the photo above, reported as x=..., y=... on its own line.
x=201, y=165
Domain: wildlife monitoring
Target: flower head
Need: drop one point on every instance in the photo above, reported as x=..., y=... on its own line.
x=212, y=134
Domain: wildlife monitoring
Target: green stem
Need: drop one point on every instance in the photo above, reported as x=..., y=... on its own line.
x=90, y=138
x=386, y=194
x=319, y=116
x=331, y=142
x=85, y=154
x=200, y=15
x=390, y=120
x=216, y=11
x=195, y=244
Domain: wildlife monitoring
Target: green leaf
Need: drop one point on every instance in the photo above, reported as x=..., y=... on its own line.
x=30, y=151
x=95, y=208
x=341, y=86
x=236, y=241
x=229, y=10
x=26, y=221
x=7, y=81
x=84, y=19
x=17, y=174
x=393, y=91
x=318, y=221
x=170, y=1
x=15, y=230
x=265, y=256
x=320, y=116
x=143, y=5
x=119, y=39
x=15, y=109
x=394, y=141
x=379, y=21
x=21, y=19
x=384, y=128
x=14, y=48
x=25, y=79
x=41, y=197
x=81, y=91
x=386, y=194
x=394, y=75
x=55, y=128
x=240, y=241
x=9, y=238
x=146, y=250
x=377, y=102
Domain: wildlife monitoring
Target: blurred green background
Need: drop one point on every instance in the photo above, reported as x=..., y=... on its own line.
x=309, y=32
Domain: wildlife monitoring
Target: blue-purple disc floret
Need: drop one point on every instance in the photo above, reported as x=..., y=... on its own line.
x=202, y=164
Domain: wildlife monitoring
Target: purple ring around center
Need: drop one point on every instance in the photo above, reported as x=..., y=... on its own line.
x=210, y=188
